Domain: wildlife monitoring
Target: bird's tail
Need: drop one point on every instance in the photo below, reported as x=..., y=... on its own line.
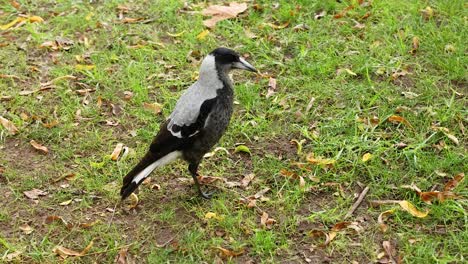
x=136, y=176
x=144, y=168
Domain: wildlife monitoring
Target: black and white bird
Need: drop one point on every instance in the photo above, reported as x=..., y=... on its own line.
x=199, y=119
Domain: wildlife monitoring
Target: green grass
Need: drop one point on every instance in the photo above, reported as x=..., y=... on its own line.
x=169, y=225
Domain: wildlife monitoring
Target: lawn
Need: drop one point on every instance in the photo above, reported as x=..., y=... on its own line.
x=352, y=96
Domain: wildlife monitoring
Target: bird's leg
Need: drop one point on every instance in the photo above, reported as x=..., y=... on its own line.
x=193, y=168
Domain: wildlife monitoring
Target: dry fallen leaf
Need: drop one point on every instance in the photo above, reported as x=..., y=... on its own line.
x=34, y=193
x=399, y=119
x=39, y=147
x=154, y=107
x=271, y=87
x=116, y=153
x=124, y=257
x=281, y=26
x=211, y=215
x=389, y=251
x=319, y=161
x=247, y=179
x=8, y=125
x=266, y=221
x=382, y=218
x=427, y=12
x=26, y=229
x=82, y=67
x=67, y=202
x=226, y=253
x=64, y=252
x=220, y=13
x=415, y=45
x=410, y=208
x=343, y=12
x=52, y=218
x=452, y=184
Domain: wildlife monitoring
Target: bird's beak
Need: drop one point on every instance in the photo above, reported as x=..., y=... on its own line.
x=244, y=65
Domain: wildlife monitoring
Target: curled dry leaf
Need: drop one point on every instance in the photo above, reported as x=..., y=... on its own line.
x=399, y=119
x=319, y=161
x=415, y=45
x=280, y=26
x=133, y=201
x=116, y=109
x=8, y=125
x=427, y=12
x=124, y=257
x=266, y=221
x=320, y=14
x=220, y=13
x=64, y=252
x=39, y=147
x=53, y=218
x=226, y=253
x=271, y=87
x=117, y=150
x=247, y=179
x=382, y=218
x=452, y=184
x=208, y=179
x=34, y=193
x=343, y=12
x=26, y=229
x=154, y=107
x=410, y=208
x=212, y=153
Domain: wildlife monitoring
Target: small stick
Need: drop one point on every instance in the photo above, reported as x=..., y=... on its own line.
x=375, y=203
x=357, y=203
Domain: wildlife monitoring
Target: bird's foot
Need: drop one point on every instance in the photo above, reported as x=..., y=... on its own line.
x=205, y=195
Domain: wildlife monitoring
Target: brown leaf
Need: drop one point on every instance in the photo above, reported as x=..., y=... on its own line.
x=154, y=107
x=247, y=179
x=399, y=119
x=220, y=13
x=88, y=225
x=8, y=125
x=265, y=221
x=226, y=253
x=34, y=193
x=65, y=252
x=128, y=20
x=389, y=250
x=50, y=124
x=116, y=109
x=343, y=12
x=123, y=257
x=15, y=4
x=382, y=218
x=39, y=147
x=208, y=179
x=52, y=218
x=271, y=87
x=452, y=184
x=116, y=153
x=134, y=201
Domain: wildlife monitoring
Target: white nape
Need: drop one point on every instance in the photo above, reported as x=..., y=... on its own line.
x=160, y=162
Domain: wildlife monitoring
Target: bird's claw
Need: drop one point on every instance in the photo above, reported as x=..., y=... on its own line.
x=205, y=195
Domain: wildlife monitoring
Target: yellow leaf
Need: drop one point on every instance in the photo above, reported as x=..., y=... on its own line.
x=154, y=107
x=230, y=253
x=12, y=23
x=366, y=157
x=211, y=215
x=33, y=19
x=88, y=17
x=66, y=202
x=380, y=220
x=175, y=35
x=410, y=208
x=320, y=161
x=82, y=67
x=116, y=153
x=203, y=34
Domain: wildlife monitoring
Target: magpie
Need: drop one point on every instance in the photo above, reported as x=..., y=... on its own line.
x=198, y=121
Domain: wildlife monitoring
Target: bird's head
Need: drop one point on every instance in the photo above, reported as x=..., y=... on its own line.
x=225, y=60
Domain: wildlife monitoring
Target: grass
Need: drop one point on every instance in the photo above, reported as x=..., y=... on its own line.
x=427, y=87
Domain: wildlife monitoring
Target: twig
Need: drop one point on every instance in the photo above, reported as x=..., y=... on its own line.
x=375, y=203
x=113, y=214
x=357, y=203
